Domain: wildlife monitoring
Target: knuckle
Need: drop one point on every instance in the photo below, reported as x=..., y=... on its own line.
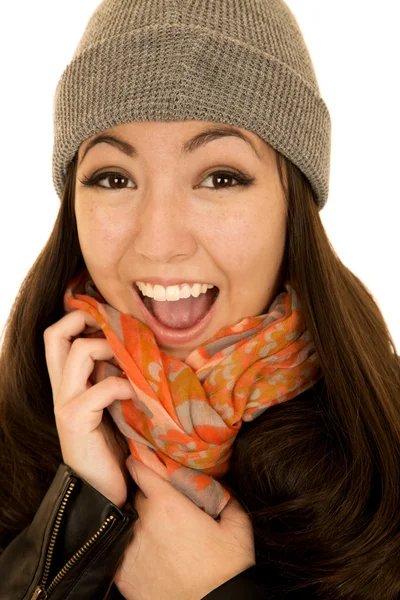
x=48, y=332
x=79, y=344
x=69, y=414
x=64, y=415
x=117, y=382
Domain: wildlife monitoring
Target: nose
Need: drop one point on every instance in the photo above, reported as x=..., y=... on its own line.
x=163, y=231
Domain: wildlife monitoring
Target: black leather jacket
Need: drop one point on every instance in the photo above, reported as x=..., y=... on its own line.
x=73, y=546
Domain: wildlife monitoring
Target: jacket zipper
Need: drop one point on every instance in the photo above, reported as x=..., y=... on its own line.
x=41, y=593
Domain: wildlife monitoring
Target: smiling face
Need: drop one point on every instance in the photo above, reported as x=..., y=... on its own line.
x=174, y=211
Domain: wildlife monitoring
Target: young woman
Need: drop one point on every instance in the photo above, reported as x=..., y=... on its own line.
x=250, y=442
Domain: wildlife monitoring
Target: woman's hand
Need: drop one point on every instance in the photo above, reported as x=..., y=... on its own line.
x=178, y=551
x=88, y=443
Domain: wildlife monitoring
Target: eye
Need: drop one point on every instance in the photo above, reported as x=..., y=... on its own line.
x=112, y=176
x=218, y=178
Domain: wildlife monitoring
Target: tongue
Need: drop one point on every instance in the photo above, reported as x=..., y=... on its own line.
x=182, y=313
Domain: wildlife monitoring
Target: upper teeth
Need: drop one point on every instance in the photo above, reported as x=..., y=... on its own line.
x=173, y=292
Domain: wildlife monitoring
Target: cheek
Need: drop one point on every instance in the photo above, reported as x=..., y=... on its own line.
x=243, y=241
x=102, y=238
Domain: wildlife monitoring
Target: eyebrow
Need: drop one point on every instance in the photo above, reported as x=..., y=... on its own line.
x=198, y=141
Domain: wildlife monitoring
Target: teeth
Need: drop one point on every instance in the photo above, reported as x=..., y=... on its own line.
x=173, y=292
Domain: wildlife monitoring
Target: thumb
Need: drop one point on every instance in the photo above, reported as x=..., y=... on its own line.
x=236, y=521
x=235, y=512
x=147, y=479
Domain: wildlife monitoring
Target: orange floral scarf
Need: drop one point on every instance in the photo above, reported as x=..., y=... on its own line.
x=183, y=417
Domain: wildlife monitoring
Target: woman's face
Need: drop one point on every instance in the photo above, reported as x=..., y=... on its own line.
x=164, y=213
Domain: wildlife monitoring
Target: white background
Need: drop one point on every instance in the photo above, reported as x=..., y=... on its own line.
x=355, y=48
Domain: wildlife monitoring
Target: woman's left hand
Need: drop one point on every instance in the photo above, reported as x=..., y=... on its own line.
x=178, y=550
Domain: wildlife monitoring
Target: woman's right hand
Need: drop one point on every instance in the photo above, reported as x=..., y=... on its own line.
x=88, y=444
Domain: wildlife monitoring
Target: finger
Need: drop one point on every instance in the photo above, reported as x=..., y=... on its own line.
x=139, y=501
x=150, y=482
x=234, y=507
x=70, y=363
x=84, y=412
x=235, y=514
x=58, y=339
x=79, y=365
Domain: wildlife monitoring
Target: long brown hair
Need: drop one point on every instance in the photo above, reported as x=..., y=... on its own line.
x=319, y=475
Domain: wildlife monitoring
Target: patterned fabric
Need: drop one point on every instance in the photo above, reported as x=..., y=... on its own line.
x=184, y=416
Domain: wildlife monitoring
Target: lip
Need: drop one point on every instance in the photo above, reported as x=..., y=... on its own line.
x=167, y=336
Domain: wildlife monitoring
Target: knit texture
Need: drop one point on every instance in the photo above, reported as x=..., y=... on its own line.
x=242, y=62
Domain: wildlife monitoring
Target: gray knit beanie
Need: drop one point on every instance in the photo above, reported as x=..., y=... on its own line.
x=242, y=62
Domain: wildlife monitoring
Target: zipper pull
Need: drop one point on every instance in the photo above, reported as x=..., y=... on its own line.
x=40, y=593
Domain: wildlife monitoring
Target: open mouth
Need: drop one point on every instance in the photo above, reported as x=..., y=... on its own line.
x=183, y=313
x=181, y=320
